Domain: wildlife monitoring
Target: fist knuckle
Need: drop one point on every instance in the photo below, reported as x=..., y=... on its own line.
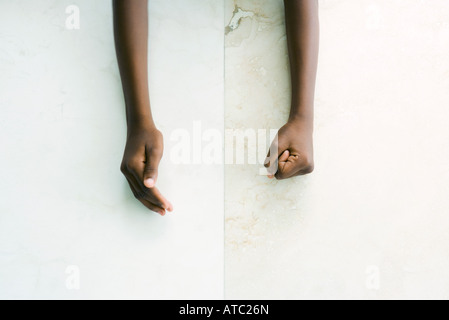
x=157, y=150
x=124, y=168
x=280, y=175
x=127, y=167
x=309, y=169
x=307, y=165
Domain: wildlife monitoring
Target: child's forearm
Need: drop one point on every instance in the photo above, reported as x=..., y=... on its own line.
x=131, y=39
x=302, y=24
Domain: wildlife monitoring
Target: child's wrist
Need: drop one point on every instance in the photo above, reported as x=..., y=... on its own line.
x=301, y=117
x=141, y=122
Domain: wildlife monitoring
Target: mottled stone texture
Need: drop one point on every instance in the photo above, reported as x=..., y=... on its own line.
x=372, y=221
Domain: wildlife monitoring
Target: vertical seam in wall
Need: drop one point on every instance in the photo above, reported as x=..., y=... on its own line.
x=224, y=150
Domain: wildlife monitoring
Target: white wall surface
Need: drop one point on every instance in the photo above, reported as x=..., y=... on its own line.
x=63, y=200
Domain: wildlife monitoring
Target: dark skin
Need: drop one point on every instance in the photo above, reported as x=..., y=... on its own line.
x=144, y=147
x=294, y=142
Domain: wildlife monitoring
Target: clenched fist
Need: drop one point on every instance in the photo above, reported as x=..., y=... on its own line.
x=294, y=146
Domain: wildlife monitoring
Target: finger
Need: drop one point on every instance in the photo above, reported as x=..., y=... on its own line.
x=286, y=171
x=142, y=196
x=267, y=160
x=273, y=153
x=146, y=203
x=271, y=162
x=267, y=165
x=288, y=168
x=293, y=167
x=278, y=156
x=144, y=193
x=280, y=163
x=135, y=177
x=304, y=172
x=304, y=165
x=153, y=207
x=284, y=157
x=131, y=186
x=152, y=194
x=150, y=171
x=157, y=196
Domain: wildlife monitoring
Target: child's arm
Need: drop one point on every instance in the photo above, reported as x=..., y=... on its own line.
x=295, y=139
x=144, y=145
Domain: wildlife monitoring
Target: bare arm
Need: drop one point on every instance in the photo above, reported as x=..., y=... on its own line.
x=295, y=139
x=301, y=18
x=131, y=38
x=144, y=145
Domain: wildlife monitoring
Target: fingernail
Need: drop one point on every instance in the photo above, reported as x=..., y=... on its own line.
x=270, y=176
x=149, y=183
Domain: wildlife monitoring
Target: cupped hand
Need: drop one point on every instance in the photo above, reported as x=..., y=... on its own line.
x=293, y=151
x=143, y=152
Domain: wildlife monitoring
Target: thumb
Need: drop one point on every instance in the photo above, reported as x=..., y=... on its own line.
x=150, y=171
x=277, y=149
x=286, y=167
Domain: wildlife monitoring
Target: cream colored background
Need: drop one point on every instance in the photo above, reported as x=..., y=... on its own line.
x=373, y=220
